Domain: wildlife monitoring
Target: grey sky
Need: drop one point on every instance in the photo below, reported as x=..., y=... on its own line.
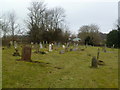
x=104, y=13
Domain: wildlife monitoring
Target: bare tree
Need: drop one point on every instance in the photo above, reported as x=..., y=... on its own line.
x=13, y=24
x=4, y=23
x=90, y=33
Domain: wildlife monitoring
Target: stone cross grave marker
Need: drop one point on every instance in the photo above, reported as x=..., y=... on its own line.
x=26, y=53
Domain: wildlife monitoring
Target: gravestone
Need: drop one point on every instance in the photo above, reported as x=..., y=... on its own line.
x=82, y=49
x=41, y=45
x=74, y=44
x=11, y=43
x=66, y=49
x=55, y=43
x=77, y=45
x=61, y=52
x=15, y=45
x=63, y=46
x=94, y=62
x=71, y=49
x=67, y=45
x=98, y=53
x=50, y=47
x=113, y=46
x=104, y=48
x=32, y=44
x=46, y=42
x=26, y=53
x=36, y=48
x=74, y=49
x=59, y=44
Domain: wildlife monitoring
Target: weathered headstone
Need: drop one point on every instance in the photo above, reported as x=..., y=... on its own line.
x=46, y=42
x=61, y=52
x=15, y=45
x=98, y=53
x=41, y=45
x=11, y=43
x=59, y=44
x=104, y=48
x=63, y=46
x=32, y=45
x=94, y=62
x=71, y=49
x=82, y=49
x=67, y=45
x=26, y=53
x=43, y=42
x=66, y=49
x=36, y=48
x=50, y=47
x=113, y=46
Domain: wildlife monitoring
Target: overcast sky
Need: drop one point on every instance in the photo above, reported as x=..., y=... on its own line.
x=104, y=13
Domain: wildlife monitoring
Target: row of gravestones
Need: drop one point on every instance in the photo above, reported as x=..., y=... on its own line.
x=26, y=56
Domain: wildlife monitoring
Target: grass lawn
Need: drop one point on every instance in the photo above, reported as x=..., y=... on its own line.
x=69, y=70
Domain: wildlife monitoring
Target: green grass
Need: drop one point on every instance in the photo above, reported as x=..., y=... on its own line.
x=75, y=70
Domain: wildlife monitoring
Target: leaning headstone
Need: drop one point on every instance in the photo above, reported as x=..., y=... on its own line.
x=50, y=47
x=94, y=62
x=61, y=52
x=26, y=53
x=98, y=53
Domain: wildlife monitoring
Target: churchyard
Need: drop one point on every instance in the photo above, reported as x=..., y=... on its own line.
x=55, y=66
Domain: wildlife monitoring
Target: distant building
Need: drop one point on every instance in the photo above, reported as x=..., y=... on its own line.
x=76, y=39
